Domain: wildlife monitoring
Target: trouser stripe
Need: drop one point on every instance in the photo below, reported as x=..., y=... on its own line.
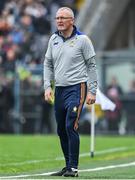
x=82, y=99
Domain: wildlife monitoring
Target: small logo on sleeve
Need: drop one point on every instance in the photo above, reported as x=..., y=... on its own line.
x=55, y=43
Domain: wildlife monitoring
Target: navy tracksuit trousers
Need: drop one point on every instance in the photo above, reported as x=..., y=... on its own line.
x=68, y=105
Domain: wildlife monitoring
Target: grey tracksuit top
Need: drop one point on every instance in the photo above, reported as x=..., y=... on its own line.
x=70, y=61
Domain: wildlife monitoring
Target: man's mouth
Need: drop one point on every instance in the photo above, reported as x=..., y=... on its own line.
x=60, y=25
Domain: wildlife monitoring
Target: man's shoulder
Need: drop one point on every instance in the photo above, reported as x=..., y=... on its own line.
x=53, y=36
x=83, y=36
x=85, y=39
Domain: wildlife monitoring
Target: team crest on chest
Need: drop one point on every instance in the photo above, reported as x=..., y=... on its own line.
x=72, y=43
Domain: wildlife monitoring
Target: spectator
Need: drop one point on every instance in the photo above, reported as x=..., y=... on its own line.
x=9, y=65
x=114, y=117
x=130, y=109
x=46, y=125
x=6, y=104
x=114, y=84
x=16, y=35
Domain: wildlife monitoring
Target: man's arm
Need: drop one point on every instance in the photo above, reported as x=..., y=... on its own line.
x=92, y=75
x=48, y=75
x=89, y=54
x=92, y=80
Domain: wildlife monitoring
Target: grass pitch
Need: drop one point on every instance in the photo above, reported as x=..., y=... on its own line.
x=39, y=154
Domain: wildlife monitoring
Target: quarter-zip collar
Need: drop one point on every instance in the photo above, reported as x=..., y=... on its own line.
x=74, y=32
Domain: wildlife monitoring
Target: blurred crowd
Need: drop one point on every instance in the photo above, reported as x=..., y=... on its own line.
x=24, y=29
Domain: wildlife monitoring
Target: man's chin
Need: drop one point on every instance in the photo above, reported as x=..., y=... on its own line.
x=61, y=29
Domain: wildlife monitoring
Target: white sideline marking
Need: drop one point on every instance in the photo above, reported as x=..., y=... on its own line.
x=83, y=170
x=62, y=158
x=108, y=167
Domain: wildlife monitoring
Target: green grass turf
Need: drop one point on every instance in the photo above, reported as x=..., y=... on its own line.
x=37, y=154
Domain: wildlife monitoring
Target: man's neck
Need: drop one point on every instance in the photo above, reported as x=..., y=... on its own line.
x=68, y=33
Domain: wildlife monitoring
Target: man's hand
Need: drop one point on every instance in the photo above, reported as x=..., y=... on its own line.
x=90, y=99
x=49, y=95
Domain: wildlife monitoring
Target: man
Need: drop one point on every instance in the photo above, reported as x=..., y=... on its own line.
x=69, y=61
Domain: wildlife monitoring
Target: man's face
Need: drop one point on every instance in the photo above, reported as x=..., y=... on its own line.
x=64, y=20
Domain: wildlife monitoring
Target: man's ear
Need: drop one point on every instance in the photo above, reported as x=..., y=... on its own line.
x=73, y=21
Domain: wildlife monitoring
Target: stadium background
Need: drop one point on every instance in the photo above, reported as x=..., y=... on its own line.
x=25, y=27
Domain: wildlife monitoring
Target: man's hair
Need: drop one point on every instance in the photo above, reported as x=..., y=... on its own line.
x=69, y=9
